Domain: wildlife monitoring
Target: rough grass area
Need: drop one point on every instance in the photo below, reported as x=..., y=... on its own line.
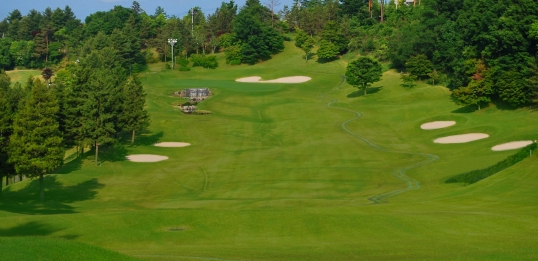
x=285, y=172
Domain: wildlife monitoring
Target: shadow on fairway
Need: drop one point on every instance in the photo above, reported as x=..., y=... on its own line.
x=466, y=109
x=71, y=166
x=32, y=228
x=112, y=153
x=57, y=196
x=148, y=139
x=325, y=60
x=360, y=93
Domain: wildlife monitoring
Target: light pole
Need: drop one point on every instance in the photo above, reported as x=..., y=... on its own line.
x=172, y=42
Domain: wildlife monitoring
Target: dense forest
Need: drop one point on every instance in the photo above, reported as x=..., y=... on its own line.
x=484, y=50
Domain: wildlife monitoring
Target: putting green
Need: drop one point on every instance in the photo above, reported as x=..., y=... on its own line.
x=291, y=172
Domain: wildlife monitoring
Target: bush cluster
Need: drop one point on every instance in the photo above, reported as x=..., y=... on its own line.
x=209, y=61
x=480, y=174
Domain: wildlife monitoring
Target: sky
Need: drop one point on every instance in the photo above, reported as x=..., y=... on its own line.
x=83, y=8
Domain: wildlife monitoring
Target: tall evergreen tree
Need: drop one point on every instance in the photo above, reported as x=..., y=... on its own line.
x=36, y=146
x=134, y=116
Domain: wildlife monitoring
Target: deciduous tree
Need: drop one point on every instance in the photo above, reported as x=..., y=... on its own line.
x=363, y=71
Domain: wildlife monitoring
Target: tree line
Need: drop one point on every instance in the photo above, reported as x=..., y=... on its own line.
x=484, y=50
x=91, y=103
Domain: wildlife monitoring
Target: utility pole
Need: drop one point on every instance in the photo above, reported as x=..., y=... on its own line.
x=172, y=42
x=192, y=21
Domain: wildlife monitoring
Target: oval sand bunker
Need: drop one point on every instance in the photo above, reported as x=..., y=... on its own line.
x=291, y=79
x=463, y=138
x=172, y=144
x=146, y=158
x=437, y=125
x=511, y=145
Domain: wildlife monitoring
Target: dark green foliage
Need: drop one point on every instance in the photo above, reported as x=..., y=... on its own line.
x=134, y=117
x=107, y=21
x=480, y=174
x=226, y=40
x=307, y=47
x=300, y=38
x=36, y=146
x=6, y=62
x=258, y=40
x=409, y=80
x=419, y=66
x=514, y=88
x=233, y=55
x=182, y=62
x=327, y=50
x=6, y=126
x=205, y=61
x=363, y=71
x=47, y=74
x=331, y=33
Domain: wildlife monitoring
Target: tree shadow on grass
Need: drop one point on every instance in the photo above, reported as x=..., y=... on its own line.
x=465, y=109
x=32, y=228
x=57, y=197
x=360, y=93
x=327, y=60
x=111, y=153
x=148, y=139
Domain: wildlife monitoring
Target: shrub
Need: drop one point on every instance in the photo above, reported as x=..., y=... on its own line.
x=480, y=174
x=209, y=61
x=182, y=62
x=233, y=55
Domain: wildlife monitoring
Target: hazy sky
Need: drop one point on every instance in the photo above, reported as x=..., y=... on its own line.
x=83, y=8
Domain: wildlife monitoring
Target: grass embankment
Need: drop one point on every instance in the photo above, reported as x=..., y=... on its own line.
x=272, y=175
x=480, y=174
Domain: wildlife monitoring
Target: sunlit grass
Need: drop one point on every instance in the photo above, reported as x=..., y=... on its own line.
x=271, y=175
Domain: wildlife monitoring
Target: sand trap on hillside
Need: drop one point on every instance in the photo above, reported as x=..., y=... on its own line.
x=437, y=125
x=511, y=145
x=172, y=144
x=145, y=158
x=291, y=79
x=462, y=138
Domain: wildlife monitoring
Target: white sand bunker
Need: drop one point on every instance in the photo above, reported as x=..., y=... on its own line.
x=437, y=125
x=291, y=79
x=511, y=145
x=145, y=158
x=172, y=144
x=463, y=138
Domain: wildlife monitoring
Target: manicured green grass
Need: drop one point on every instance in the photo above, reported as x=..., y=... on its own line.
x=272, y=175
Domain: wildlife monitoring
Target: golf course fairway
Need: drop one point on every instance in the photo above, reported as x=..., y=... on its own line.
x=289, y=171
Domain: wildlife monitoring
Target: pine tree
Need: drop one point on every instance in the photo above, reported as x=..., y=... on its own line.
x=134, y=116
x=36, y=146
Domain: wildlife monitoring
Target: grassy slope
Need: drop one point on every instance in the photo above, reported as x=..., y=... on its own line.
x=271, y=175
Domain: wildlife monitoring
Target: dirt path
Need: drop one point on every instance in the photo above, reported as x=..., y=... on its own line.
x=412, y=184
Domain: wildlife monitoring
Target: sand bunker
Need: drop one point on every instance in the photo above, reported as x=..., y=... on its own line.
x=172, y=144
x=463, y=138
x=146, y=158
x=436, y=125
x=511, y=145
x=291, y=79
